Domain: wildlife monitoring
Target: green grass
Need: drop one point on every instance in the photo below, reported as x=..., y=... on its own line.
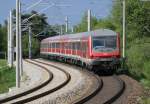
x=3, y=63
x=145, y=101
x=7, y=76
x=138, y=63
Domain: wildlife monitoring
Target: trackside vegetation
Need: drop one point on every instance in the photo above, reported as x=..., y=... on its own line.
x=7, y=77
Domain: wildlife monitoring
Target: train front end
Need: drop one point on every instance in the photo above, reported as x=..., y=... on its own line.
x=105, y=50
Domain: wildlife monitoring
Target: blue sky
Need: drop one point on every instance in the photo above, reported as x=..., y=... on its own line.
x=56, y=15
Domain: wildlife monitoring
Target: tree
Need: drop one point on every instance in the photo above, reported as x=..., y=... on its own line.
x=105, y=24
x=35, y=46
x=40, y=29
x=137, y=18
x=82, y=26
x=3, y=38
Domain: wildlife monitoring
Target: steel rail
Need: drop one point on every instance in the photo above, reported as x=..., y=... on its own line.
x=110, y=100
x=90, y=96
x=120, y=91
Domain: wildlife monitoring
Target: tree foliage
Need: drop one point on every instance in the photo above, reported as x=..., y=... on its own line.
x=137, y=19
x=95, y=24
x=35, y=46
x=3, y=38
x=39, y=27
x=82, y=26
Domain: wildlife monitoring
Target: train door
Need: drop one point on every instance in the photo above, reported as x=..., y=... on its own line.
x=87, y=49
x=83, y=45
x=73, y=48
x=62, y=47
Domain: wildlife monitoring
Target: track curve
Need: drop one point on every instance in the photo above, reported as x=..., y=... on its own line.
x=106, y=95
x=118, y=92
x=85, y=99
x=87, y=95
x=44, y=93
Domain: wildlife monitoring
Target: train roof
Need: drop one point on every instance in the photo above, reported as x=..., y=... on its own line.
x=99, y=32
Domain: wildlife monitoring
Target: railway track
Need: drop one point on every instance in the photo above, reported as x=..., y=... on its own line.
x=109, y=93
x=21, y=98
x=95, y=98
x=105, y=91
x=87, y=95
x=112, y=87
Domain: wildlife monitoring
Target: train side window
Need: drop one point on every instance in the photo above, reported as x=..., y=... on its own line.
x=57, y=45
x=66, y=45
x=70, y=46
x=52, y=45
x=74, y=46
x=78, y=45
x=84, y=46
x=49, y=45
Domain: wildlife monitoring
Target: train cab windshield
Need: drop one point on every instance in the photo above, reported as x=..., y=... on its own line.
x=104, y=44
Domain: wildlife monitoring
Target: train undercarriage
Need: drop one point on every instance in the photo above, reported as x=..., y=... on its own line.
x=109, y=65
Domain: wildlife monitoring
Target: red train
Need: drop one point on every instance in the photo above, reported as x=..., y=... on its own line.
x=99, y=48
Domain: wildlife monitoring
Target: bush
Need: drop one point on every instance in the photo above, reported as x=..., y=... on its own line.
x=139, y=62
x=7, y=76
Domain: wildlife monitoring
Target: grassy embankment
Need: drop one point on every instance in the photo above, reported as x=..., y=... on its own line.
x=7, y=76
x=138, y=63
